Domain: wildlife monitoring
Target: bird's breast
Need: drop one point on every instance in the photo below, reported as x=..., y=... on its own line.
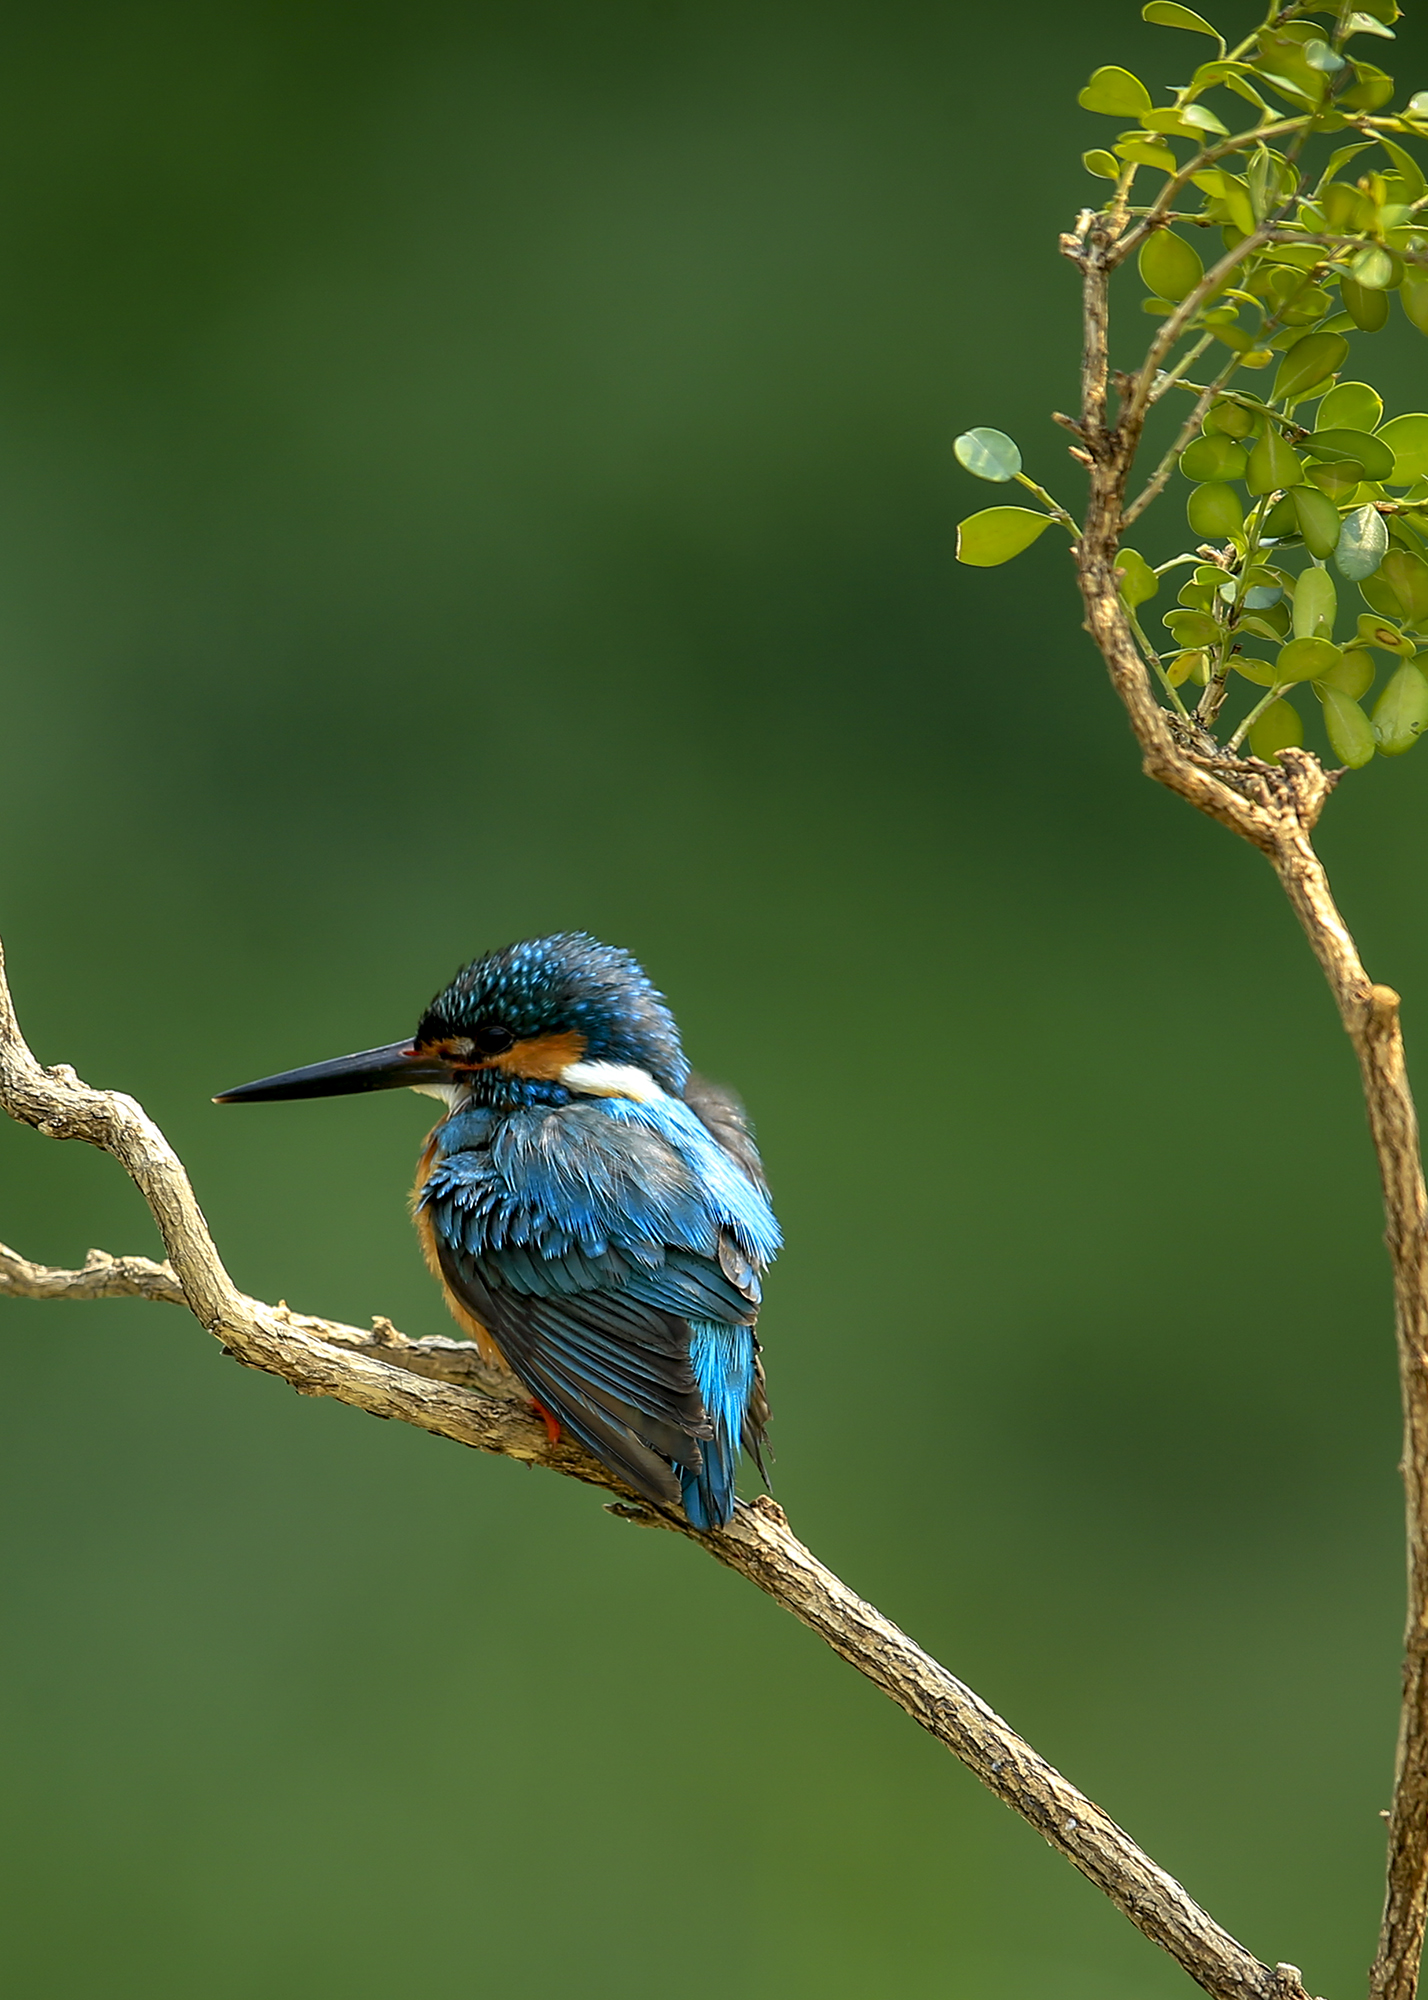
x=426, y=1236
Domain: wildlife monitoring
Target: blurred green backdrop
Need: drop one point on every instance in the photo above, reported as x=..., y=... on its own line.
x=469, y=470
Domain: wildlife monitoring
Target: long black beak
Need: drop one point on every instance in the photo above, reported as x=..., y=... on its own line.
x=398, y=1065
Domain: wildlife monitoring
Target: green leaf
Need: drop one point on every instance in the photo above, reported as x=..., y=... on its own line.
x=1101, y=163
x=1367, y=309
x=1308, y=361
x=1147, y=152
x=1352, y=675
x=1375, y=630
x=1166, y=14
x=1279, y=728
x=1401, y=712
x=1407, y=531
x=1371, y=453
x=1202, y=119
x=1371, y=92
x=1417, y=105
x=1231, y=418
x=1214, y=456
x=1373, y=270
x=1219, y=70
x=1184, y=121
x=1281, y=62
x=1347, y=208
x=1315, y=604
x=1337, y=477
x=1305, y=660
x=1413, y=296
x=1168, y=265
x=1214, y=511
x=1365, y=24
x=1363, y=543
x=1258, y=179
x=1415, y=186
x=997, y=534
x=1341, y=158
x=988, y=454
x=1281, y=520
x=1318, y=520
x=1405, y=576
x=1299, y=95
x=1355, y=405
x=1190, y=628
x=1349, y=730
x=1116, y=92
x=1224, y=186
x=1272, y=464
x=1137, y=580
x=1306, y=308
x=1407, y=439
x=1263, y=588
x=1241, y=88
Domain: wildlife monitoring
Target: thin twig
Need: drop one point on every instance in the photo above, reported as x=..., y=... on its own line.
x=1174, y=324
x=1156, y=484
x=379, y=1373
x=104, y=1277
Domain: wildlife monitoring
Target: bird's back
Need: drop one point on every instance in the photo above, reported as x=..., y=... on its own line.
x=612, y=1250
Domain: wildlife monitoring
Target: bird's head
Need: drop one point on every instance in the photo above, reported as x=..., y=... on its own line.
x=553, y=1015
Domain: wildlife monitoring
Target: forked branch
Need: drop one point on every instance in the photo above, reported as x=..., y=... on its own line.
x=441, y=1386
x=1275, y=808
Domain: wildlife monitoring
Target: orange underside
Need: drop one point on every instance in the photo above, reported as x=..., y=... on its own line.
x=460, y=1312
x=426, y=1236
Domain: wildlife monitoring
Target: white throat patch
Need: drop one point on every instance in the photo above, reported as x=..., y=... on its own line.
x=452, y=1095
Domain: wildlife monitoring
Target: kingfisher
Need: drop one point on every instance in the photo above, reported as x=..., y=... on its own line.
x=596, y=1214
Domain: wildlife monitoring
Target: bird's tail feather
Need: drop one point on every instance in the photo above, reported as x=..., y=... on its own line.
x=722, y=1358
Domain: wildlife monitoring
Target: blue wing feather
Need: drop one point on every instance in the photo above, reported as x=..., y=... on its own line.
x=614, y=1249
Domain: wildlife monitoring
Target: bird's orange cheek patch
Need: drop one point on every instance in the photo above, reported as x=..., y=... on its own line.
x=542, y=1056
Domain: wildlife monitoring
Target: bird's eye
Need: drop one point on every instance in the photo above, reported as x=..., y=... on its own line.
x=494, y=1039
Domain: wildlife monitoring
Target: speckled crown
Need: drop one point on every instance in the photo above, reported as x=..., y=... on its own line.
x=551, y=985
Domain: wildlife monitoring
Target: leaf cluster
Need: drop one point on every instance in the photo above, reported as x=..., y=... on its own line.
x=1272, y=249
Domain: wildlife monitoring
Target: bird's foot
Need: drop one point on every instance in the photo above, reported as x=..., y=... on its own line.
x=552, y=1424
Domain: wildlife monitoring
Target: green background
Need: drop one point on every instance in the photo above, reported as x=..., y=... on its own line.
x=468, y=471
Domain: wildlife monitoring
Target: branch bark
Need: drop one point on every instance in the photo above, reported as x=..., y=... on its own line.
x=1275, y=808
x=441, y=1386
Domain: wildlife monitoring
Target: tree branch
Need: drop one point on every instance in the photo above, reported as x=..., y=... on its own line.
x=104, y=1277
x=1275, y=808
x=429, y=1383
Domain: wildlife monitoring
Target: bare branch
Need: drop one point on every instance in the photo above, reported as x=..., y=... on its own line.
x=417, y=1382
x=104, y=1277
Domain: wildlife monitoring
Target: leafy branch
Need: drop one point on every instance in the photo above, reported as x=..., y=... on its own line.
x=1287, y=513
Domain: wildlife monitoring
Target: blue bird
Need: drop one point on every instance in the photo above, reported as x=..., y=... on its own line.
x=597, y=1215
